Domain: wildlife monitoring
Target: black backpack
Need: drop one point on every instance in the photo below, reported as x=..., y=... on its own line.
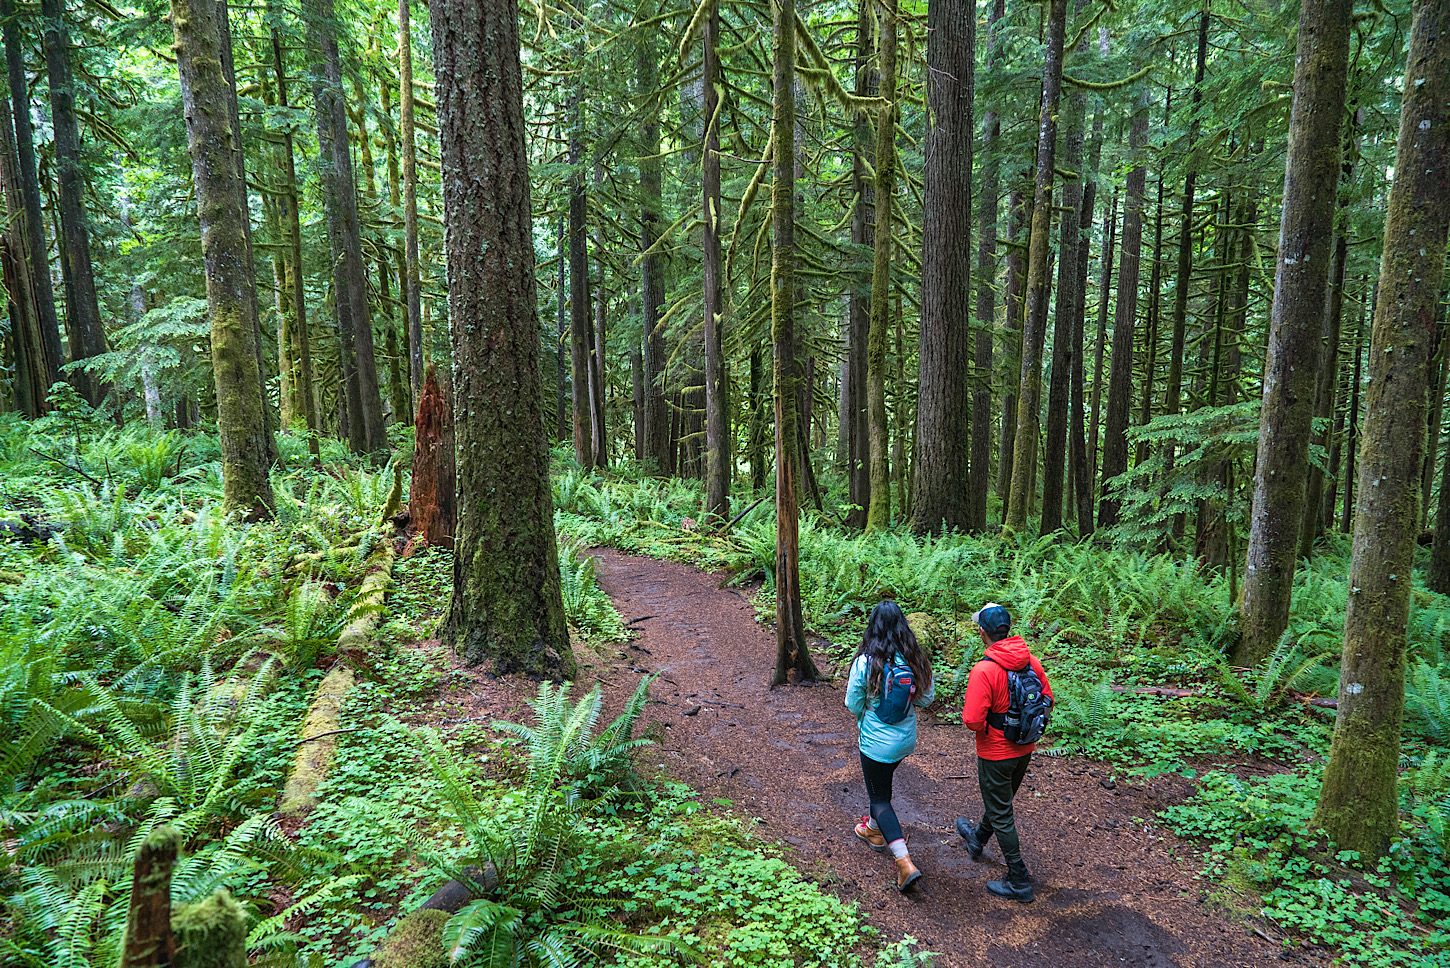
x=1029, y=709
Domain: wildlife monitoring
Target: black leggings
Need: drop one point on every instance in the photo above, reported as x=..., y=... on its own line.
x=878, y=791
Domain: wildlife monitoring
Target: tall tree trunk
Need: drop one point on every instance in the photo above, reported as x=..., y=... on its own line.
x=853, y=385
x=1078, y=460
x=1172, y=398
x=979, y=476
x=1311, y=171
x=365, y=402
x=1327, y=381
x=943, y=397
x=717, y=453
x=1120, y=371
x=83, y=316
x=792, y=652
x=1039, y=281
x=579, y=305
x=31, y=372
x=879, y=514
x=596, y=355
x=412, y=294
x=1105, y=279
x=1439, y=369
x=1359, y=802
x=1351, y=443
x=652, y=280
x=221, y=204
x=1437, y=577
x=1155, y=303
x=1019, y=219
x=36, y=254
x=506, y=605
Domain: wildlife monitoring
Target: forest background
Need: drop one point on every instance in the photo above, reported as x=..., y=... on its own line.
x=1005, y=269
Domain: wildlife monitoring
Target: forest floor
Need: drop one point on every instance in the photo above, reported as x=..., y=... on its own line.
x=1113, y=886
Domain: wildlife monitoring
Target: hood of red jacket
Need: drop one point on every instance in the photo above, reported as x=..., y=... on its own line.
x=1011, y=652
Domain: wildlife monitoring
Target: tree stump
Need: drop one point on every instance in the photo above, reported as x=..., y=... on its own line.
x=431, y=497
x=149, y=942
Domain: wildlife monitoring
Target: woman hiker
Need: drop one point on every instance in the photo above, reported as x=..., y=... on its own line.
x=890, y=677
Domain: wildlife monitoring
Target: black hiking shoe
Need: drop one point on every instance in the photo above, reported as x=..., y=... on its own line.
x=969, y=833
x=1015, y=888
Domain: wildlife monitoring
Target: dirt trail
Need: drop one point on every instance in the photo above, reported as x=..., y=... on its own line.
x=1110, y=889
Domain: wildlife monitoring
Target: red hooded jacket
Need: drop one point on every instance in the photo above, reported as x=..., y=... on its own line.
x=987, y=692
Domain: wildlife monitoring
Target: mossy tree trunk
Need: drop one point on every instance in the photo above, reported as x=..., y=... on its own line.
x=1359, y=802
x=1100, y=339
x=506, y=606
x=1039, y=280
x=853, y=370
x=366, y=429
x=657, y=443
x=1019, y=219
x=979, y=474
x=83, y=308
x=413, y=286
x=1311, y=172
x=717, y=448
x=579, y=305
x=246, y=442
x=792, y=650
x=1079, y=467
x=878, y=515
x=35, y=253
x=1120, y=369
x=149, y=942
x=290, y=215
x=944, y=395
x=31, y=376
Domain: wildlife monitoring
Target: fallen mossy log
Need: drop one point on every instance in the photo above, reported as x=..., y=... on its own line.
x=320, y=729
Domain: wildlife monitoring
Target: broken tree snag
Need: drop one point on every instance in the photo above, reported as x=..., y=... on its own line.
x=431, y=496
x=149, y=943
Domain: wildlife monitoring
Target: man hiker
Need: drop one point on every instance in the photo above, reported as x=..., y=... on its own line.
x=1008, y=704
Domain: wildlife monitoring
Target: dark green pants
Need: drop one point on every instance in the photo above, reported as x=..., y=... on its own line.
x=999, y=780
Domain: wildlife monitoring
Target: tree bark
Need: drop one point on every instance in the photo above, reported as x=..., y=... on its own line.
x=32, y=376
x=1155, y=301
x=1105, y=279
x=792, y=650
x=506, y=605
x=1080, y=468
x=853, y=369
x=1019, y=220
x=1351, y=443
x=290, y=216
x=1359, y=802
x=432, y=496
x=717, y=453
x=149, y=942
x=367, y=430
x=652, y=269
x=979, y=475
x=1039, y=280
x=1172, y=398
x=35, y=254
x=407, y=135
x=878, y=515
x=1311, y=172
x=87, y=336
x=579, y=304
x=944, y=397
x=1120, y=371
x=246, y=443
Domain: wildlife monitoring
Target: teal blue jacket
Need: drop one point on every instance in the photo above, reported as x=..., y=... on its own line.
x=882, y=742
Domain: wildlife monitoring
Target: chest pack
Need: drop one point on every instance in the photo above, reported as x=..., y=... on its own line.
x=1029, y=709
x=898, y=683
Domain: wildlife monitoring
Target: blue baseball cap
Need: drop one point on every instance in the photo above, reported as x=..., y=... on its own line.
x=993, y=619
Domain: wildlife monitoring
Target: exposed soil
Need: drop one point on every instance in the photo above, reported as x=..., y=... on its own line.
x=1113, y=886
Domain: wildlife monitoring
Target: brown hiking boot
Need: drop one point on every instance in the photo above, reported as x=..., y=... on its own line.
x=906, y=874
x=870, y=835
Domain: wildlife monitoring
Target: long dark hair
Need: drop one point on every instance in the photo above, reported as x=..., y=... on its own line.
x=888, y=633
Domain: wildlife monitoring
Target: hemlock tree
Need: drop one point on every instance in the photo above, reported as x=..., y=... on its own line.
x=1291, y=369
x=944, y=395
x=1359, y=802
x=1039, y=280
x=878, y=514
x=506, y=604
x=792, y=651
x=221, y=206
x=717, y=447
